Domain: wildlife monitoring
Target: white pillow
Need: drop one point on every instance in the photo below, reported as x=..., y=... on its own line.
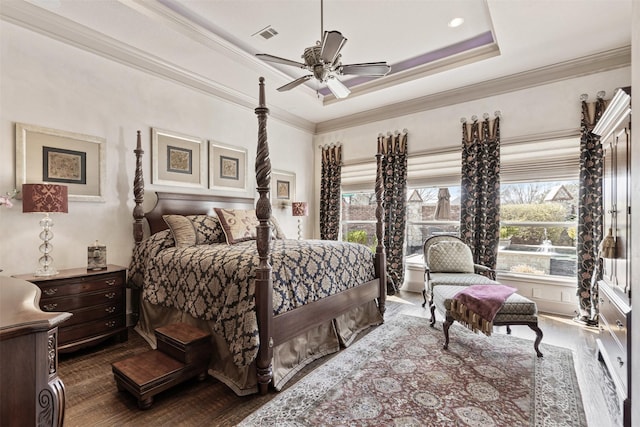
x=450, y=257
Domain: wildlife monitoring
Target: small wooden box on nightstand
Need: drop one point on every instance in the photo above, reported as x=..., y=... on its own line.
x=183, y=352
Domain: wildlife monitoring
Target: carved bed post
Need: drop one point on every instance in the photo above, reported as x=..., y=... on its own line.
x=138, y=193
x=263, y=284
x=381, y=265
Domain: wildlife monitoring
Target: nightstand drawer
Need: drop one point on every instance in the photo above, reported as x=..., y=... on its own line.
x=94, y=313
x=80, y=285
x=71, y=303
x=91, y=329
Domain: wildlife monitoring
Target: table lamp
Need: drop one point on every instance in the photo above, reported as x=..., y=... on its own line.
x=299, y=209
x=47, y=199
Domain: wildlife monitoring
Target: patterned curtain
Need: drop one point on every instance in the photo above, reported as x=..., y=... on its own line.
x=394, y=167
x=590, y=221
x=480, y=189
x=330, y=192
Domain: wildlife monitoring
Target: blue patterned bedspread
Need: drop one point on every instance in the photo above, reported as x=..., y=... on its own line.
x=217, y=282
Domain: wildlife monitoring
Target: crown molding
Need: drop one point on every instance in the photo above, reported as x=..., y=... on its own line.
x=604, y=61
x=49, y=24
x=31, y=17
x=428, y=69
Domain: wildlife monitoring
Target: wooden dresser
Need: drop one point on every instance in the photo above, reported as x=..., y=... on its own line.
x=97, y=300
x=30, y=391
x=614, y=297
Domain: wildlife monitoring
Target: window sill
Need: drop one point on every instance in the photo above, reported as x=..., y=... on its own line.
x=541, y=279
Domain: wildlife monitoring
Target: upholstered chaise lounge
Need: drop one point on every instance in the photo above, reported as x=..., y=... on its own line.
x=449, y=268
x=448, y=261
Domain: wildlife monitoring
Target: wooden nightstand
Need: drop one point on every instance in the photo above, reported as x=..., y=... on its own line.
x=97, y=300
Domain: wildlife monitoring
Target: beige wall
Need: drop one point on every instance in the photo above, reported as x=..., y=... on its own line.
x=46, y=83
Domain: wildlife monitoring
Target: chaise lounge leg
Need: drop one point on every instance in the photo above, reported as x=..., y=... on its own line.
x=424, y=298
x=445, y=328
x=538, y=331
x=433, y=315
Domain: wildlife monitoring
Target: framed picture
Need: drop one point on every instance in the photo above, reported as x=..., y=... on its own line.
x=178, y=160
x=227, y=167
x=283, y=188
x=55, y=156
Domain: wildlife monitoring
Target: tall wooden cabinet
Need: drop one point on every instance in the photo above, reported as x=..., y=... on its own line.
x=31, y=394
x=614, y=290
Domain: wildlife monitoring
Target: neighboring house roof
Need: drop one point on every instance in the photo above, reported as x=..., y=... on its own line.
x=558, y=194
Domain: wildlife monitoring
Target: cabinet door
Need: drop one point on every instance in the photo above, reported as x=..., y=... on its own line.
x=615, y=193
x=622, y=215
x=608, y=203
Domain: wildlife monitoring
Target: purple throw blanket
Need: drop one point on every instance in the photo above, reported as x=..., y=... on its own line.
x=476, y=306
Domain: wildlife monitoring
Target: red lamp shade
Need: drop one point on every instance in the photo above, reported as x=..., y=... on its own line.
x=46, y=198
x=299, y=209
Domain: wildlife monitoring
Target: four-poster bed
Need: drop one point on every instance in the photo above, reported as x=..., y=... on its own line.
x=272, y=305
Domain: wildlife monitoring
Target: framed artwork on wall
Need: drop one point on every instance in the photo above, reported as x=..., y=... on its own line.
x=227, y=167
x=178, y=160
x=283, y=188
x=55, y=156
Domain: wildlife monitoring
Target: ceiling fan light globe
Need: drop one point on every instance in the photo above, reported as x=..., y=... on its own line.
x=336, y=87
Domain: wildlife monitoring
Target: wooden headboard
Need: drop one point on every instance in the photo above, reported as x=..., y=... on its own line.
x=190, y=204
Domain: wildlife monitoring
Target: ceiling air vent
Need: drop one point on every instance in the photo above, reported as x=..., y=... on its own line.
x=266, y=33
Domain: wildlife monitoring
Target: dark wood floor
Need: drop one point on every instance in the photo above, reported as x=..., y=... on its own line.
x=596, y=386
x=92, y=398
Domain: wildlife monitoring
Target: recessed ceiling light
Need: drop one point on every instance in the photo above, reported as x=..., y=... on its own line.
x=456, y=22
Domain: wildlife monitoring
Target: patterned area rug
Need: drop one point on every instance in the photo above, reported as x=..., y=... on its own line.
x=399, y=375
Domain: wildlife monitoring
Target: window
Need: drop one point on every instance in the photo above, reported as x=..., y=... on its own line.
x=539, y=197
x=422, y=221
x=358, y=218
x=538, y=228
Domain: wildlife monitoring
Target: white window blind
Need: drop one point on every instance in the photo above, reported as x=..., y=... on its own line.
x=542, y=160
x=545, y=160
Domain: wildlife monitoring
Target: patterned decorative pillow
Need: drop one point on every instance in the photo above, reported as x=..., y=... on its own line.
x=239, y=225
x=450, y=257
x=208, y=229
x=182, y=229
x=277, y=230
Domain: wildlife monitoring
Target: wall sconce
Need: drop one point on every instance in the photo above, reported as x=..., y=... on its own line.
x=299, y=209
x=45, y=198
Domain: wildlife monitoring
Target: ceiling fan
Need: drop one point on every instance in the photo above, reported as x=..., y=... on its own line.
x=324, y=62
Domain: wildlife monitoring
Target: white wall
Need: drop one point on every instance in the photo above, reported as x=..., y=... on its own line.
x=46, y=83
x=543, y=109
x=548, y=109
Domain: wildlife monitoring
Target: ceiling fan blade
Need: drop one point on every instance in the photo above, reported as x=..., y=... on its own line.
x=294, y=83
x=271, y=58
x=337, y=88
x=374, y=69
x=332, y=43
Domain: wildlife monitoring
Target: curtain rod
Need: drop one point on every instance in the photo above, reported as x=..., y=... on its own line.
x=599, y=95
x=330, y=145
x=474, y=118
x=397, y=132
x=511, y=141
